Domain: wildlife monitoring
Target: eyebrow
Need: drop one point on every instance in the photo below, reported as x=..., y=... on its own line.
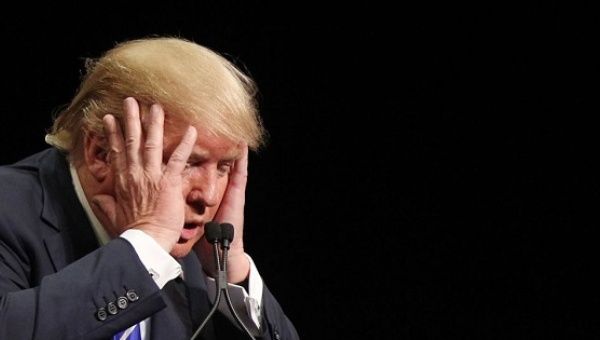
x=202, y=155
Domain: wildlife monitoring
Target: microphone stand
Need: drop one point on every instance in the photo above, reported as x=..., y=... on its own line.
x=226, y=236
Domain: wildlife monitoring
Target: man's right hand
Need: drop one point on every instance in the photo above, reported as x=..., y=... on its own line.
x=147, y=195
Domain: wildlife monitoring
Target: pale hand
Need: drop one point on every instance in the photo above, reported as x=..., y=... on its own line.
x=147, y=195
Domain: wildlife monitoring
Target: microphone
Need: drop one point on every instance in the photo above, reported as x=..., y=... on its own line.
x=226, y=234
x=212, y=232
x=221, y=234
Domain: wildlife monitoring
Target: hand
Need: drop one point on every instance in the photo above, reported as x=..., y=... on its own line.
x=231, y=210
x=147, y=196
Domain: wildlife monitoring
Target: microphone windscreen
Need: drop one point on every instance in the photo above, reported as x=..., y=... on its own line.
x=227, y=231
x=212, y=231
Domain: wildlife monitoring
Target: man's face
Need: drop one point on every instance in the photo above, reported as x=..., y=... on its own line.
x=205, y=179
x=204, y=182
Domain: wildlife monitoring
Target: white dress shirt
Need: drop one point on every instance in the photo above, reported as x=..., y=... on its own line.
x=164, y=268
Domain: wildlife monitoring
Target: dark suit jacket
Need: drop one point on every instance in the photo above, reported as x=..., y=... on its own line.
x=54, y=276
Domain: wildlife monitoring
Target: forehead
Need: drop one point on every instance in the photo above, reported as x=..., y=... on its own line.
x=207, y=142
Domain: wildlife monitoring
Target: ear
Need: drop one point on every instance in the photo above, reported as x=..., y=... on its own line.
x=95, y=156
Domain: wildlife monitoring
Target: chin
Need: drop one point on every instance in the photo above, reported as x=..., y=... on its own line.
x=182, y=249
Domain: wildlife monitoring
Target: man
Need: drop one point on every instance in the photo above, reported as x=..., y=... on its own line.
x=104, y=232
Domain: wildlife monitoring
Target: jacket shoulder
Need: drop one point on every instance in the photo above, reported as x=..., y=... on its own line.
x=20, y=185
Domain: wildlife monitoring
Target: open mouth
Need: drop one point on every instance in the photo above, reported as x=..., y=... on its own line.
x=189, y=231
x=190, y=225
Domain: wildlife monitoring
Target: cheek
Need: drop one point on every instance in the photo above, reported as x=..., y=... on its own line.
x=222, y=186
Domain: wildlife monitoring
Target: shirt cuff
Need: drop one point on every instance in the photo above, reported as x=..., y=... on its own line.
x=246, y=304
x=161, y=266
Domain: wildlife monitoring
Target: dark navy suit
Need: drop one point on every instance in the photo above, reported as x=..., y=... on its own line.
x=56, y=282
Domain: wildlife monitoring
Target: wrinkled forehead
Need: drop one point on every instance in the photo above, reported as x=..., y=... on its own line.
x=177, y=123
x=208, y=142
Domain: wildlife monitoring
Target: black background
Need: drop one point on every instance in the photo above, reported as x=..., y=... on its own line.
x=431, y=168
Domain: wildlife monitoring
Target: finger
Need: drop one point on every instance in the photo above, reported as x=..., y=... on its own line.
x=239, y=175
x=153, y=145
x=112, y=130
x=232, y=206
x=181, y=154
x=133, y=131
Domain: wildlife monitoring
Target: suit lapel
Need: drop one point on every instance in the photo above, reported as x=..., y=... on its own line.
x=199, y=303
x=172, y=322
x=70, y=235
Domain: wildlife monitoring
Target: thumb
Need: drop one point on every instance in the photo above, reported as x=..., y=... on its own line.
x=107, y=206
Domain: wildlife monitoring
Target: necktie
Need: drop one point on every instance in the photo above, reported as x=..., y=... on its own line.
x=131, y=333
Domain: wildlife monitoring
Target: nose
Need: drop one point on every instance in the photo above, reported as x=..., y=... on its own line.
x=203, y=182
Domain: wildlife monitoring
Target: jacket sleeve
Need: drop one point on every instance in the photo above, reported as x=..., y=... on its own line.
x=92, y=298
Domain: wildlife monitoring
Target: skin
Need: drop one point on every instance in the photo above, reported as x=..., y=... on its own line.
x=167, y=180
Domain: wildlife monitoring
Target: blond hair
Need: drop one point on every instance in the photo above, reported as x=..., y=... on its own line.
x=190, y=81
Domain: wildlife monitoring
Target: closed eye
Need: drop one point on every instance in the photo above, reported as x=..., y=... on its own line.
x=225, y=167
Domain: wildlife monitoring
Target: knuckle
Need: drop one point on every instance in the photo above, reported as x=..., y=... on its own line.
x=131, y=175
x=131, y=141
x=177, y=157
x=151, y=146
